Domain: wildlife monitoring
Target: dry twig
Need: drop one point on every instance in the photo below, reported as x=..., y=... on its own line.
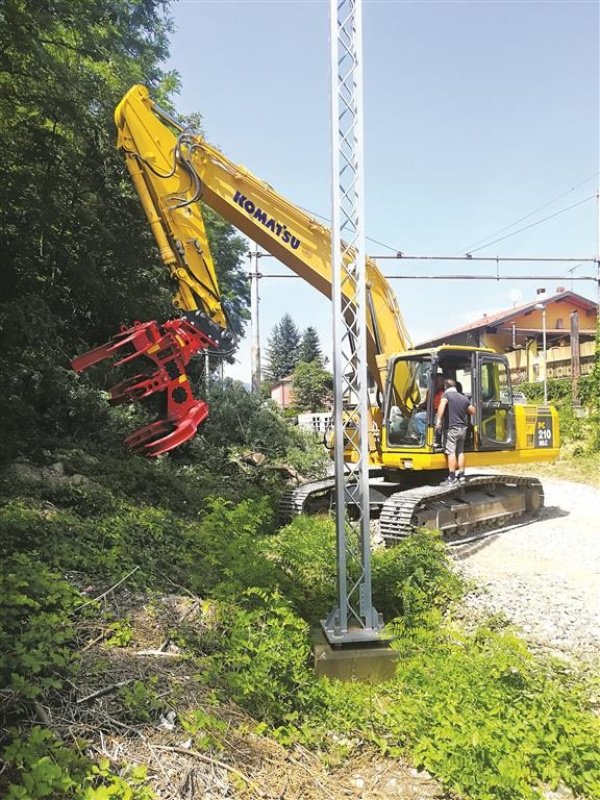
x=105, y=690
x=108, y=591
x=214, y=762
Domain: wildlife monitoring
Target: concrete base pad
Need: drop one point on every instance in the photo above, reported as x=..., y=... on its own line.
x=370, y=663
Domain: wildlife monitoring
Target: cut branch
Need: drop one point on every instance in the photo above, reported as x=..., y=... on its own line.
x=105, y=690
x=108, y=591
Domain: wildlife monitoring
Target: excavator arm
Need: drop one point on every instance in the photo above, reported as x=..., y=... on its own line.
x=172, y=169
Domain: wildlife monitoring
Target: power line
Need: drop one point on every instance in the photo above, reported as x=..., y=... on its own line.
x=458, y=277
x=468, y=257
x=533, y=224
x=531, y=213
x=405, y=257
x=470, y=250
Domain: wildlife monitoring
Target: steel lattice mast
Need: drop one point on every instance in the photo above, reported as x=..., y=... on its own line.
x=354, y=619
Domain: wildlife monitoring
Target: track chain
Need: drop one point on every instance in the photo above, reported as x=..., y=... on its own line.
x=398, y=512
x=294, y=501
x=397, y=518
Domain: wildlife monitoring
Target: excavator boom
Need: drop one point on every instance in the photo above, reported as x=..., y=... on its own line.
x=173, y=169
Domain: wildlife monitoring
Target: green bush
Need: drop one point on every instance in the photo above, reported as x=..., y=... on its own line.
x=478, y=711
x=489, y=720
x=408, y=580
x=38, y=765
x=36, y=627
x=215, y=552
x=263, y=663
x=414, y=578
x=572, y=428
x=304, y=553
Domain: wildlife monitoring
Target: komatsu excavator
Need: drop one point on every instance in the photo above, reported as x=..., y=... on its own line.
x=172, y=170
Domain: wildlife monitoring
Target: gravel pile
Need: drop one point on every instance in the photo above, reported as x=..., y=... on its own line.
x=545, y=576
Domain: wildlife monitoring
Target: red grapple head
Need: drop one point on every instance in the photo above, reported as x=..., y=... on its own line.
x=163, y=350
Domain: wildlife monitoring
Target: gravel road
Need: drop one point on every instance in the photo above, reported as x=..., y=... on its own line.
x=545, y=576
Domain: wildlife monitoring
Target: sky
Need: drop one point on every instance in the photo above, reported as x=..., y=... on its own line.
x=476, y=115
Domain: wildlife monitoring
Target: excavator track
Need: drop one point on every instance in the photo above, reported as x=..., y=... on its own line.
x=464, y=512
x=482, y=503
x=307, y=499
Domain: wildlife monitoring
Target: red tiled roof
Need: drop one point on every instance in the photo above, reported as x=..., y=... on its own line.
x=488, y=320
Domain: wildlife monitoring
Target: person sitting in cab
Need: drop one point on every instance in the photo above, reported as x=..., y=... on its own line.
x=420, y=418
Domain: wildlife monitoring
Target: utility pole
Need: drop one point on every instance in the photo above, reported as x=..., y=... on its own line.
x=354, y=619
x=254, y=323
x=542, y=307
x=575, y=357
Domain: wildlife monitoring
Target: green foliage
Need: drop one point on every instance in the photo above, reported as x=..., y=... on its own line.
x=229, y=251
x=583, y=431
x=594, y=379
x=312, y=386
x=304, y=554
x=241, y=421
x=68, y=221
x=41, y=766
x=206, y=729
x=121, y=633
x=263, y=662
x=284, y=349
x=213, y=554
x=560, y=390
x=409, y=580
x=477, y=711
x=78, y=257
x=491, y=721
x=414, y=578
x=36, y=628
x=140, y=701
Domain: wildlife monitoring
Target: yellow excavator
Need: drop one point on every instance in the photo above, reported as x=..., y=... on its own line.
x=172, y=170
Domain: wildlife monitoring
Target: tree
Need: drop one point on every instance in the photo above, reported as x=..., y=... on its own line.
x=78, y=257
x=312, y=386
x=310, y=347
x=284, y=349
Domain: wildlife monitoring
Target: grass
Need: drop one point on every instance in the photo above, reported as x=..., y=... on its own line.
x=573, y=465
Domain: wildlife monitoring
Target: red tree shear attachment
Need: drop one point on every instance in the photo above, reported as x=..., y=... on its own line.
x=163, y=352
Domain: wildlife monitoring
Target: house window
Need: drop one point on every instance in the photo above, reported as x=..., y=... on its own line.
x=559, y=323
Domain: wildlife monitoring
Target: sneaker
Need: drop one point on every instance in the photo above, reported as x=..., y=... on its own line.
x=462, y=480
x=449, y=482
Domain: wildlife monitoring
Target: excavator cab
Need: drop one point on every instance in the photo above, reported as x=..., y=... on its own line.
x=412, y=396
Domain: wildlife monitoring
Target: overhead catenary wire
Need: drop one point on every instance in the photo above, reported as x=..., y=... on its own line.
x=461, y=277
x=531, y=213
x=495, y=259
x=533, y=224
x=405, y=257
x=500, y=230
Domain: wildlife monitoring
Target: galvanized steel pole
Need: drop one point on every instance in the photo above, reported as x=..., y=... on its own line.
x=354, y=619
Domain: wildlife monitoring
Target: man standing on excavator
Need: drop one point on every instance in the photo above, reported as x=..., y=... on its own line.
x=454, y=409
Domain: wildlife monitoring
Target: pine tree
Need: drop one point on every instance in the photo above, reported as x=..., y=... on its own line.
x=284, y=349
x=310, y=347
